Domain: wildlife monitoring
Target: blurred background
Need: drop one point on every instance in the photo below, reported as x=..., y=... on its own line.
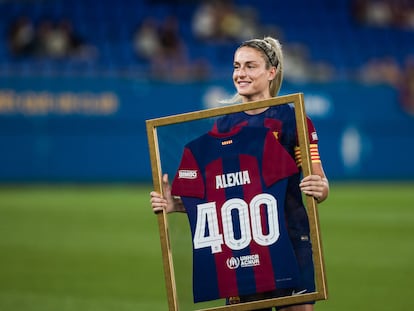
x=78, y=79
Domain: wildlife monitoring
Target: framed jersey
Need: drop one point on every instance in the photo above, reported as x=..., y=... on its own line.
x=235, y=238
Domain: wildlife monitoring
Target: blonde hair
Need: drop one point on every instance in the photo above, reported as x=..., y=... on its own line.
x=271, y=50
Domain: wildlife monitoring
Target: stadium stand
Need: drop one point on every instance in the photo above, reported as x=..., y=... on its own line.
x=329, y=30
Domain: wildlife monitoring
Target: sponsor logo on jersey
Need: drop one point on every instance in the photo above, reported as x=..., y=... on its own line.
x=294, y=292
x=232, y=179
x=187, y=174
x=249, y=261
x=233, y=263
x=243, y=261
x=227, y=142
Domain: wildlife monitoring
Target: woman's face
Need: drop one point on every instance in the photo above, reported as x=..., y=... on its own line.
x=250, y=76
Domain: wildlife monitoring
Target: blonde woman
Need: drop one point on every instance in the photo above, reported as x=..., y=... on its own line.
x=258, y=75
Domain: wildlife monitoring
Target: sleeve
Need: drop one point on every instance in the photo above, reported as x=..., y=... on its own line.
x=188, y=180
x=313, y=136
x=313, y=145
x=277, y=162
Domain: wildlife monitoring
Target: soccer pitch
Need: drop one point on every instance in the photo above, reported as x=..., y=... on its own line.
x=67, y=247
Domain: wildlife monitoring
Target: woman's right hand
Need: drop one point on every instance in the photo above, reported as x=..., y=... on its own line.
x=166, y=202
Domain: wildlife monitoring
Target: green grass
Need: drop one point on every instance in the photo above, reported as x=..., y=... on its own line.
x=97, y=248
x=367, y=231
x=79, y=248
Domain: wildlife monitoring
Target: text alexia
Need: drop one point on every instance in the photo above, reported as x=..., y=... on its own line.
x=232, y=179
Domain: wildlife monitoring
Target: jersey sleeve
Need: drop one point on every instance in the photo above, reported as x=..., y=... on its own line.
x=277, y=162
x=313, y=145
x=313, y=136
x=188, y=180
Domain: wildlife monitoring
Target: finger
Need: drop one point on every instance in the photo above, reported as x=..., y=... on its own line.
x=158, y=204
x=165, y=179
x=154, y=194
x=158, y=209
x=311, y=178
x=155, y=201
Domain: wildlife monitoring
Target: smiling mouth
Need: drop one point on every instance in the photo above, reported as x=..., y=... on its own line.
x=243, y=83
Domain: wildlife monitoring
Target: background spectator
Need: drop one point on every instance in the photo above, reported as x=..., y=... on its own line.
x=21, y=36
x=407, y=85
x=160, y=44
x=146, y=40
x=381, y=70
x=384, y=13
x=222, y=21
x=204, y=21
x=48, y=39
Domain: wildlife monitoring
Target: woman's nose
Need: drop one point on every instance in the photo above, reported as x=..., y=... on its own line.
x=241, y=72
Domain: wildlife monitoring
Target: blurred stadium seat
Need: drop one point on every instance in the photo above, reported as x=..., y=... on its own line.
x=326, y=28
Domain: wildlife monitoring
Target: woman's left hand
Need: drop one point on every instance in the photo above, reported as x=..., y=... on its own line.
x=314, y=185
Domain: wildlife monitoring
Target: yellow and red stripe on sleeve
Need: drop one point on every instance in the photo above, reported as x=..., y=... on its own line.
x=314, y=154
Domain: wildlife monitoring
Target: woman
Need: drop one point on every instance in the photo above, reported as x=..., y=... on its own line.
x=258, y=75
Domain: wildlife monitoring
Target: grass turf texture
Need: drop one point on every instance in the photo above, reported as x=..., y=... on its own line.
x=97, y=248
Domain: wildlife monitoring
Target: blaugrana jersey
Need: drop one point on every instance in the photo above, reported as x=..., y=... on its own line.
x=233, y=188
x=281, y=121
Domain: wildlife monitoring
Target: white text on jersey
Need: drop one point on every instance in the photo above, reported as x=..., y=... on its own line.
x=232, y=179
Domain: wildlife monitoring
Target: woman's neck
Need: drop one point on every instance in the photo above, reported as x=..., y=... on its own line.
x=256, y=111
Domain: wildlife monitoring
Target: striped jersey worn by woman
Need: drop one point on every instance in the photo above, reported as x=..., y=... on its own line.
x=280, y=120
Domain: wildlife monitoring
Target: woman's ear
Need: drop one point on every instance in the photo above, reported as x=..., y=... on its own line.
x=272, y=73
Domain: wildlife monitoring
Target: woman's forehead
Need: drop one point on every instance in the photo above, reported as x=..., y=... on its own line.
x=247, y=54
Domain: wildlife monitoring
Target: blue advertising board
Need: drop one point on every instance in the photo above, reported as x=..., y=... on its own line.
x=93, y=128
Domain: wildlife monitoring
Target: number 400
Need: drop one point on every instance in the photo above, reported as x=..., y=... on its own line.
x=248, y=214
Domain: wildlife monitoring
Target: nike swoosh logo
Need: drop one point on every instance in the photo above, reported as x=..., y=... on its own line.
x=299, y=292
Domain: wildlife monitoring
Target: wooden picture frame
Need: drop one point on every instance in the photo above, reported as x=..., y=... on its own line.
x=163, y=131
